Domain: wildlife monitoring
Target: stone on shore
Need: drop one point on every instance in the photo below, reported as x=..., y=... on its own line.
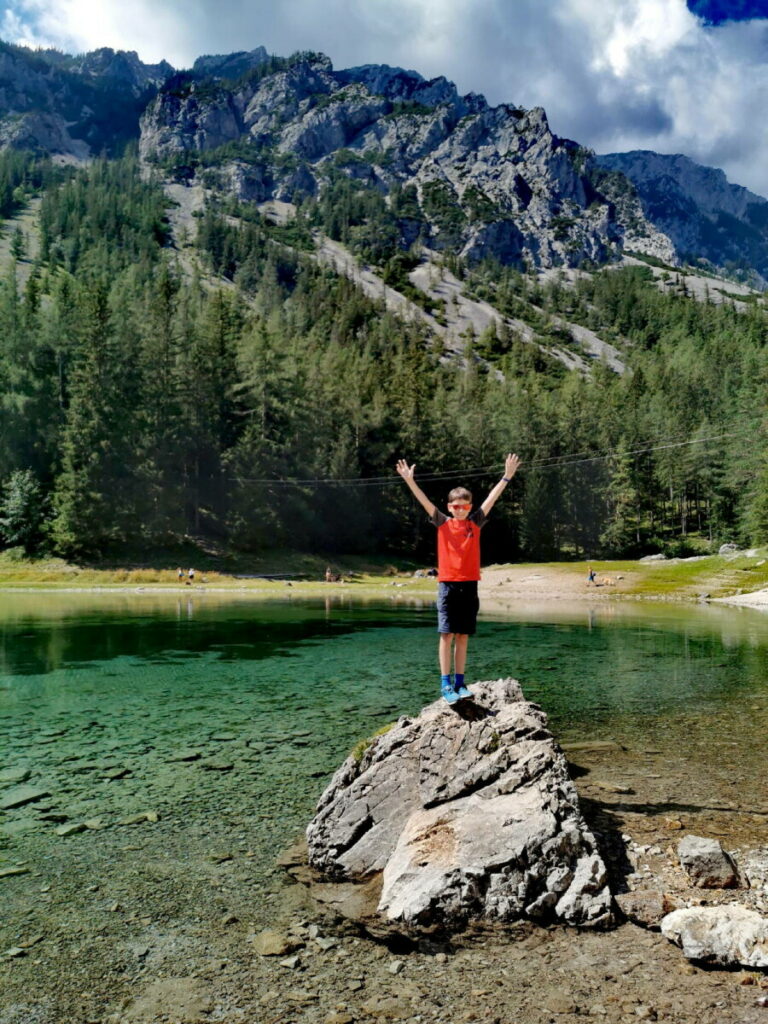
x=467, y=815
x=725, y=935
x=707, y=863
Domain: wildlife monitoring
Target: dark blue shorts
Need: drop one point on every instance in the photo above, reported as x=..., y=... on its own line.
x=457, y=606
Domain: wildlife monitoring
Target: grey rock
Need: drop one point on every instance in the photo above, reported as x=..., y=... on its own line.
x=466, y=819
x=523, y=193
x=230, y=65
x=707, y=863
x=728, y=549
x=725, y=935
x=646, y=907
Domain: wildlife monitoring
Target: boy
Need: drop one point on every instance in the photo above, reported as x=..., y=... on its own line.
x=458, y=560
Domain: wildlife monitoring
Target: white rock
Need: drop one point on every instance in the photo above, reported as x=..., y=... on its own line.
x=726, y=935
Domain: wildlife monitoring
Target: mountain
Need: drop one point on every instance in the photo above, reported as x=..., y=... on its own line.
x=485, y=181
x=462, y=176
x=705, y=217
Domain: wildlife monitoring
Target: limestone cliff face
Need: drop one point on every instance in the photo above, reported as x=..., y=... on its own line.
x=490, y=181
x=53, y=103
x=703, y=215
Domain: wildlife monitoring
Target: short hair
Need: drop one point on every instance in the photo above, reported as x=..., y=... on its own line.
x=460, y=494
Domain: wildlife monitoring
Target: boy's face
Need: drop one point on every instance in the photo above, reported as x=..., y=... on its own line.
x=460, y=508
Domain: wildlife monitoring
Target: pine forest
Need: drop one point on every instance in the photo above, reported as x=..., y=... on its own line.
x=236, y=390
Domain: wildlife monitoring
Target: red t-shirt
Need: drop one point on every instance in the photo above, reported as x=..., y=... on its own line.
x=458, y=546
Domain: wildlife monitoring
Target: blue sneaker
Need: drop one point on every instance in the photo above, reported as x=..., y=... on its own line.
x=462, y=693
x=449, y=693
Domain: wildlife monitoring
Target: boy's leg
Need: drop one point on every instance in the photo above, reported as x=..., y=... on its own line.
x=460, y=661
x=460, y=652
x=444, y=654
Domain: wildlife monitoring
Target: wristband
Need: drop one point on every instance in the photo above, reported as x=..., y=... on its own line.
x=507, y=479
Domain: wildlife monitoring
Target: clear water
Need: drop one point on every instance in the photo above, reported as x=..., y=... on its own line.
x=264, y=700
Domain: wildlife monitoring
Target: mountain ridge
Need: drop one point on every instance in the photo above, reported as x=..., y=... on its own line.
x=481, y=181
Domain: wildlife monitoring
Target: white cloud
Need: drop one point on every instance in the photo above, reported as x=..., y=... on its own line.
x=613, y=74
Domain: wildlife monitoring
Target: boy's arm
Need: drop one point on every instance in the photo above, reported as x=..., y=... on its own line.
x=407, y=473
x=510, y=468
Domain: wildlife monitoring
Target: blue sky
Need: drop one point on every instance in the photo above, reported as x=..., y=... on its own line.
x=669, y=75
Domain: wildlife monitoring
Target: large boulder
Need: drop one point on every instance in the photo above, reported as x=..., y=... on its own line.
x=465, y=814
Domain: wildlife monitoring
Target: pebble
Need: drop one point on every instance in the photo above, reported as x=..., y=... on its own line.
x=396, y=966
x=70, y=830
x=291, y=963
x=138, y=819
x=273, y=943
x=9, y=872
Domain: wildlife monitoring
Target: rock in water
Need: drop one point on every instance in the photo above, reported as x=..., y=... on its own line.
x=468, y=815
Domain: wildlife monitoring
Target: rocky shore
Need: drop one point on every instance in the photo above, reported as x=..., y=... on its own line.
x=163, y=922
x=174, y=917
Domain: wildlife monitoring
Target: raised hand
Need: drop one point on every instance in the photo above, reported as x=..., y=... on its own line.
x=511, y=464
x=405, y=471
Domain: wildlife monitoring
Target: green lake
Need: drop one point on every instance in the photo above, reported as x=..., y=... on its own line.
x=202, y=706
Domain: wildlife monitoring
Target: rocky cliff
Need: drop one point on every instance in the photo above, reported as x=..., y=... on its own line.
x=705, y=217
x=75, y=106
x=489, y=181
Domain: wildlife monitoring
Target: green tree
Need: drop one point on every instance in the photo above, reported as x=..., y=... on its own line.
x=23, y=509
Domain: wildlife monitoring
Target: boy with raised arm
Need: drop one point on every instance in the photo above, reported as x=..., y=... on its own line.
x=458, y=570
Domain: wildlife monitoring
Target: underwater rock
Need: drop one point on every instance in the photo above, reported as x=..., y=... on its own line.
x=467, y=815
x=21, y=795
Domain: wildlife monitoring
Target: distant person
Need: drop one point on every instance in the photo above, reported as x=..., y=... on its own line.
x=458, y=567
x=190, y=577
x=591, y=577
x=180, y=574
